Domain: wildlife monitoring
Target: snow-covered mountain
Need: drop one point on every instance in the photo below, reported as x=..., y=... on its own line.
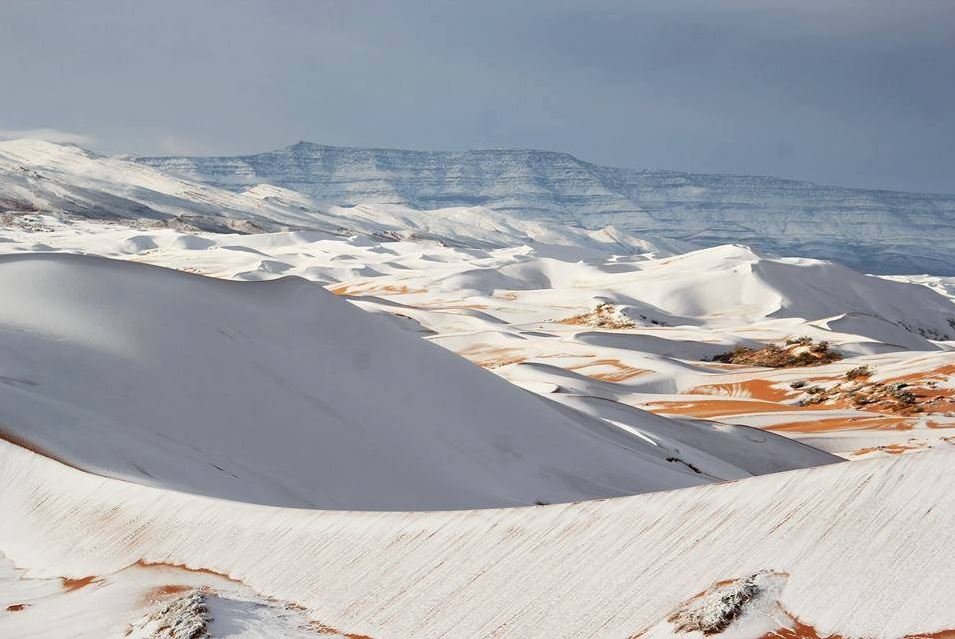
x=875, y=231
x=62, y=179
x=308, y=186
x=44, y=177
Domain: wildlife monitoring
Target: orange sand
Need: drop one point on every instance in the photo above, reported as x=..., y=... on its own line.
x=756, y=388
x=622, y=372
x=844, y=423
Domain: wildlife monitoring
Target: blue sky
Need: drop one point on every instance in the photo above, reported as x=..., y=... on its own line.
x=856, y=92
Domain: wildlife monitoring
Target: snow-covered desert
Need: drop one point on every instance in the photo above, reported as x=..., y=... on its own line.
x=242, y=410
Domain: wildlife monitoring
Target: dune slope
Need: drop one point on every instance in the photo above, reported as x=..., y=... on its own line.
x=282, y=393
x=609, y=568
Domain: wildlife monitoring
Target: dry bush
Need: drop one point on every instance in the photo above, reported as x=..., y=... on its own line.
x=799, y=352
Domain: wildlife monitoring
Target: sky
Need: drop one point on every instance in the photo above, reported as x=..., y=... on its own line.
x=850, y=92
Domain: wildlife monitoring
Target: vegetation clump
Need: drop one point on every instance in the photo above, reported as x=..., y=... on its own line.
x=857, y=390
x=604, y=315
x=716, y=609
x=858, y=372
x=797, y=352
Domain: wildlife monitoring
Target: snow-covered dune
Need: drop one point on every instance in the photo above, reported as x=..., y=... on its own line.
x=282, y=393
x=641, y=322
x=856, y=550
x=734, y=282
x=721, y=286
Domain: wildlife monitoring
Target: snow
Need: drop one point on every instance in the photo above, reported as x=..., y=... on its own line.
x=876, y=231
x=860, y=543
x=516, y=301
x=282, y=426
x=279, y=392
x=129, y=602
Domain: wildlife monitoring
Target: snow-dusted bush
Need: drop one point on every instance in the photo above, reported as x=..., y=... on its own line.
x=713, y=611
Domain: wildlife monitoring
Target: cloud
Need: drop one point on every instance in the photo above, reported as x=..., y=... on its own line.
x=854, y=89
x=50, y=135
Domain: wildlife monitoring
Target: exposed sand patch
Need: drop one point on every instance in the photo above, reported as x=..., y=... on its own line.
x=201, y=571
x=725, y=367
x=940, y=373
x=378, y=289
x=164, y=592
x=322, y=629
x=901, y=399
x=798, y=630
x=721, y=407
x=844, y=423
x=69, y=585
x=318, y=626
x=621, y=373
x=761, y=389
x=493, y=356
x=451, y=306
x=891, y=449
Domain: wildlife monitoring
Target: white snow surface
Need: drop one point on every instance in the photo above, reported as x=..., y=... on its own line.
x=279, y=392
x=282, y=393
x=863, y=545
x=229, y=416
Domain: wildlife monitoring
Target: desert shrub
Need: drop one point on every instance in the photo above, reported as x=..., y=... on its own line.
x=821, y=347
x=905, y=397
x=858, y=371
x=777, y=357
x=732, y=356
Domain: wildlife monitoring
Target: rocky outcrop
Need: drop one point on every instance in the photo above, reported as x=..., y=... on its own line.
x=876, y=231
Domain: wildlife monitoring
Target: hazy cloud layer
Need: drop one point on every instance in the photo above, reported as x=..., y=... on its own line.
x=51, y=135
x=854, y=91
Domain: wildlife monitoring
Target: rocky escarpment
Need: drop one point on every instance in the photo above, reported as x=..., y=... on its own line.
x=876, y=231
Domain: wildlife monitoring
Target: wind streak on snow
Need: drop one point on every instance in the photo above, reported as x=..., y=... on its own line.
x=598, y=568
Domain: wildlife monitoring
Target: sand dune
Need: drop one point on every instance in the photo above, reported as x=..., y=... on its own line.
x=281, y=393
x=610, y=568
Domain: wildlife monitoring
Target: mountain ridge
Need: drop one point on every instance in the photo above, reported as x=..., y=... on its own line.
x=880, y=231
x=304, y=144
